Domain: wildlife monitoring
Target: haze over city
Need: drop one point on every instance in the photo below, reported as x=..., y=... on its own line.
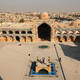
x=39, y=5
x=39, y=39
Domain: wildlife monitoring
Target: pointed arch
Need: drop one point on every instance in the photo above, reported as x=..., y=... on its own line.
x=44, y=31
x=43, y=71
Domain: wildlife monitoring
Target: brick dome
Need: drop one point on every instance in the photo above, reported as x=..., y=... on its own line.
x=44, y=15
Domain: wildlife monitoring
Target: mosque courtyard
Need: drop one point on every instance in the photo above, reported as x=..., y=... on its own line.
x=16, y=58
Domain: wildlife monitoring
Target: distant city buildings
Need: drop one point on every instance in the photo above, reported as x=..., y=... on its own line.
x=31, y=27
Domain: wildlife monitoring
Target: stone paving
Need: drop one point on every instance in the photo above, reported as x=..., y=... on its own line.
x=36, y=51
x=15, y=62
x=70, y=59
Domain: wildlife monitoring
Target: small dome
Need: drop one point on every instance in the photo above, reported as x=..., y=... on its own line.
x=70, y=32
x=77, y=32
x=58, y=32
x=64, y=32
x=44, y=15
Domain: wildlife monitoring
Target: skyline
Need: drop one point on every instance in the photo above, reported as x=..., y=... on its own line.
x=39, y=5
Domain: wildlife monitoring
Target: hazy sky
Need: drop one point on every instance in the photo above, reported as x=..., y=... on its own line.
x=39, y=5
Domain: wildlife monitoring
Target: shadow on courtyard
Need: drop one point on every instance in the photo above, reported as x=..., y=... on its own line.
x=1, y=78
x=71, y=51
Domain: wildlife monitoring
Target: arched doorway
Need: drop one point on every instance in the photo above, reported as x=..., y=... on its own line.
x=29, y=39
x=29, y=32
x=71, y=38
x=77, y=39
x=23, y=32
x=58, y=38
x=64, y=38
x=23, y=39
x=17, y=38
x=10, y=32
x=4, y=38
x=43, y=71
x=4, y=32
x=16, y=32
x=44, y=32
x=10, y=38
